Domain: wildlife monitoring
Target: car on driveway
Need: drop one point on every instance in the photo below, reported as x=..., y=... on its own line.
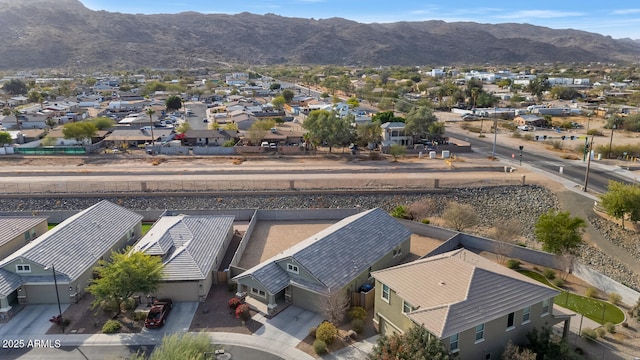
x=158, y=313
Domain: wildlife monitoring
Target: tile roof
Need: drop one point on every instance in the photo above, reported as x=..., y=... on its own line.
x=337, y=254
x=189, y=244
x=9, y=282
x=458, y=290
x=79, y=241
x=12, y=226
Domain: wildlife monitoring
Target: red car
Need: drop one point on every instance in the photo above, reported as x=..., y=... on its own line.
x=158, y=313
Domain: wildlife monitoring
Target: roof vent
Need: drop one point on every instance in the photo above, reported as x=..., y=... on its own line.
x=441, y=283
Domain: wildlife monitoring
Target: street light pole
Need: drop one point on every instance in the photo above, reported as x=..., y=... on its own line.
x=495, y=132
x=613, y=127
x=55, y=283
x=588, y=152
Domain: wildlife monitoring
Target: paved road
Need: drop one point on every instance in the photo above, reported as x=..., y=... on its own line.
x=573, y=170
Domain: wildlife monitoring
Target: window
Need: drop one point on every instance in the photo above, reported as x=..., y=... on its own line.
x=24, y=268
x=526, y=314
x=453, y=343
x=292, y=268
x=510, y=320
x=545, y=307
x=406, y=307
x=397, y=251
x=258, y=292
x=27, y=236
x=479, y=333
x=385, y=292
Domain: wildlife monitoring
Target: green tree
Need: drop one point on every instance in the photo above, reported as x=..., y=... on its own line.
x=325, y=127
x=259, y=130
x=548, y=346
x=558, y=232
x=538, y=86
x=125, y=274
x=415, y=344
x=173, y=102
x=230, y=126
x=90, y=81
x=183, y=346
x=18, y=115
x=35, y=97
x=103, y=123
x=5, y=138
x=387, y=116
x=622, y=200
x=15, y=87
x=6, y=111
x=353, y=102
x=274, y=86
x=418, y=122
x=514, y=352
x=396, y=151
x=287, y=95
x=80, y=131
x=48, y=141
x=368, y=132
x=278, y=102
x=183, y=128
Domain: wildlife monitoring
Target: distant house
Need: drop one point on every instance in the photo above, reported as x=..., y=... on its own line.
x=473, y=305
x=339, y=258
x=16, y=232
x=531, y=120
x=135, y=137
x=73, y=248
x=208, y=137
x=192, y=249
x=393, y=133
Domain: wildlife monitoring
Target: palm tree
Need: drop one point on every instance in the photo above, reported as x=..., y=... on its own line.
x=150, y=112
x=17, y=114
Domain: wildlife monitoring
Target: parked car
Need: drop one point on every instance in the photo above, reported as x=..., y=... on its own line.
x=157, y=315
x=469, y=117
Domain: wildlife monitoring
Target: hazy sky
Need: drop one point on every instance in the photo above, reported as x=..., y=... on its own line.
x=617, y=18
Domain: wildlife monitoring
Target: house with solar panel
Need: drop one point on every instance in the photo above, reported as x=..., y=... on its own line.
x=473, y=305
x=192, y=249
x=336, y=259
x=71, y=249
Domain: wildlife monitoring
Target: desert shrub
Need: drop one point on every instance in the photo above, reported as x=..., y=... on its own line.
x=528, y=137
x=600, y=331
x=111, y=327
x=610, y=328
x=320, y=347
x=425, y=221
x=614, y=298
x=423, y=208
x=591, y=292
x=589, y=334
x=243, y=312
x=357, y=325
x=326, y=332
x=625, y=324
x=139, y=316
x=595, y=132
x=556, y=144
x=357, y=312
x=558, y=282
x=401, y=212
x=549, y=274
x=516, y=134
x=234, y=302
x=128, y=304
x=312, y=332
x=513, y=264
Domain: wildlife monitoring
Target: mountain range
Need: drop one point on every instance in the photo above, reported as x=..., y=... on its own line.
x=64, y=34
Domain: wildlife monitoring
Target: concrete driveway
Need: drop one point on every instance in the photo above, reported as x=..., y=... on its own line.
x=178, y=320
x=288, y=327
x=31, y=320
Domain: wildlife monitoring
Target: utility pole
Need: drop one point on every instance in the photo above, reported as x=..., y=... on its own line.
x=588, y=152
x=521, y=148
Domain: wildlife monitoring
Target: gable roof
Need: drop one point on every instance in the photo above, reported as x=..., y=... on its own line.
x=12, y=226
x=458, y=290
x=393, y=125
x=337, y=254
x=189, y=245
x=79, y=241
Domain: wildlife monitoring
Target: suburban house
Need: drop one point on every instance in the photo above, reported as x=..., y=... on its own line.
x=208, y=137
x=338, y=258
x=135, y=137
x=192, y=249
x=17, y=231
x=73, y=248
x=531, y=120
x=473, y=305
x=393, y=133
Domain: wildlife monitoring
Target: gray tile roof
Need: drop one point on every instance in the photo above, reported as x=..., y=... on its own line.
x=188, y=244
x=12, y=226
x=9, y=282
x=458, y=290
x=78, y=242
x=337, y=254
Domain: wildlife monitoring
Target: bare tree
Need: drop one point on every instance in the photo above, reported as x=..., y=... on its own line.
x=460, y=216
x=423, y=208
x=335, y=306
x=504, y=233
x=565, y=262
